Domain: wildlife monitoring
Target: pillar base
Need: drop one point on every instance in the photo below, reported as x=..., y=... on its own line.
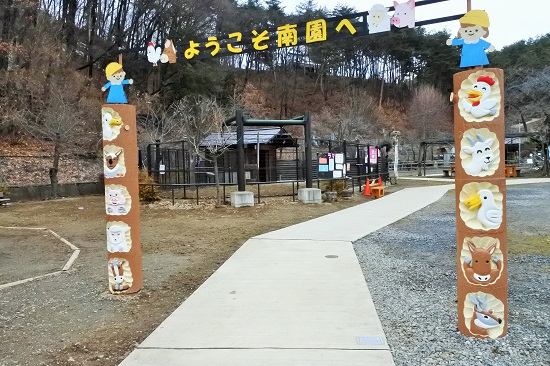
x=309, y=195
x=242, y=199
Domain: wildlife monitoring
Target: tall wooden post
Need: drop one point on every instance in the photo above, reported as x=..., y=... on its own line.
x=480, y=202
x=120, y=168
x=122, y=198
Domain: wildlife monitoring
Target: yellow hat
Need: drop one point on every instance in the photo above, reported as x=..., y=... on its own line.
x=476, y=17
x=112, y=68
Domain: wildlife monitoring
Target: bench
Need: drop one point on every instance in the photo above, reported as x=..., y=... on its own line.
x=376, y=190
x=3, y=201
x=449, y=172
x=512, y=171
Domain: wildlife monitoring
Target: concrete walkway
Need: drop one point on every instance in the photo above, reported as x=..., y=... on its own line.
x=294, y=296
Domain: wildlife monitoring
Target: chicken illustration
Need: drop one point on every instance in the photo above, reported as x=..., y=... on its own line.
x=478, y=95
x=489, y=214
x=107, y=122
x=153, y=55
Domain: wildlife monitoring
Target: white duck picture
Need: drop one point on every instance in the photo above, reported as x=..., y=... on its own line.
x=477, y=102
x=488, y=214
x=108, y=121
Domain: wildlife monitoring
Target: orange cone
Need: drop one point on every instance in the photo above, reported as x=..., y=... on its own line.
x=366, y=190
x=379, y=181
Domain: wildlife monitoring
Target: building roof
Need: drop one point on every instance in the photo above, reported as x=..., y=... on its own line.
x=276, y=135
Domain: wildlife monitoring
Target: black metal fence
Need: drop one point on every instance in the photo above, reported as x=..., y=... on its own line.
x=175, y=164
x=207, y=191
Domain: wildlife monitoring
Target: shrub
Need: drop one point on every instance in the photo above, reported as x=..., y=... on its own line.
x=4, y=188
x=338, y=186
x=147, y=192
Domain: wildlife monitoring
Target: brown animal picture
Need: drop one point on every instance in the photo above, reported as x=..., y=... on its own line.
x=477, y=267
x=120, y=284
x=169, y=52
x=483, y=318
x=112, y=167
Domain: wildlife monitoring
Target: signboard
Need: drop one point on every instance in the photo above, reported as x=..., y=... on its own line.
x=373, y=155
x=331, y=166
x=378, y=19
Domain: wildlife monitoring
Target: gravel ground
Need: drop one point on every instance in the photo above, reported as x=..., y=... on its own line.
x=411, y=272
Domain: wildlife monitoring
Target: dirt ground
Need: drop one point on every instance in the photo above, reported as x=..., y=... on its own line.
x=71, y=318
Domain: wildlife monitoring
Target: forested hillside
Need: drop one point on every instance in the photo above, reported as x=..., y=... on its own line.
x=53, y=52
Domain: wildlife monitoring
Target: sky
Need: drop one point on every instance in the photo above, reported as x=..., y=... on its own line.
x=510, y=21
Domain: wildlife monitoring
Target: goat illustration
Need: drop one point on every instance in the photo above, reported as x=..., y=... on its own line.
x=118, y=273
x=478, y=268
x=482, y=155
x=482, y=319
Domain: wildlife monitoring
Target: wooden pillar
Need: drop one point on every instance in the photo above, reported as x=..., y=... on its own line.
x=480, y=202
x=122, y=198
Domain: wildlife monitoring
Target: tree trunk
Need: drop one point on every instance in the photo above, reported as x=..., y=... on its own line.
x=192, y=169
x=92, y=18
x=217, y=181
x=55, y=165
x=421, y=158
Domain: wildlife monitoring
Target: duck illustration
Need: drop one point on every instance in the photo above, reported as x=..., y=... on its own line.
x=107, y=122
x=489, y=214
x=478, y=95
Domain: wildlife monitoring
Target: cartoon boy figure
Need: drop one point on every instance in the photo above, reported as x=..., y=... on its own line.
x=474, y=25
x=115, y=74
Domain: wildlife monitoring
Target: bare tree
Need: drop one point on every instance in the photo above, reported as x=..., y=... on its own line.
x=56, y=122
x=530, y=97
x=159, y=124
x=358, y=116
x=203, y=128
x=429, y=117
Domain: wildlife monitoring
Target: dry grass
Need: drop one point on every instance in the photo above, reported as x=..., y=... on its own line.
x=522, y=244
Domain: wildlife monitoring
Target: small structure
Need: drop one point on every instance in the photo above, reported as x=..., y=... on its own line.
x=261, y=149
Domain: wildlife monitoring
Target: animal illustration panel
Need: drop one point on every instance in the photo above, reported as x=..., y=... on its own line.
x=481, y=260
x=117, y=200
x=484, y=315
x=153, y=54
x=404, y=15
x=481, y=206
x=169, y=54
x=118, y=237
x=479, y=98
x=479, y=152
x=111, y=123
x=378, y=19
x=113, y=162
x=120, y=275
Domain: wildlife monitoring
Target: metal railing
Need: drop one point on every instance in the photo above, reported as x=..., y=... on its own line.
x=184, y=190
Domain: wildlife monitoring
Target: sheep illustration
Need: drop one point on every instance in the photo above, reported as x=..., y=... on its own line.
x=116, y=238
x=378, y=19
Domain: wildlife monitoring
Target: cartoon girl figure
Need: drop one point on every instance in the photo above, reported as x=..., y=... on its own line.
x=474, y=25
x=115, y=74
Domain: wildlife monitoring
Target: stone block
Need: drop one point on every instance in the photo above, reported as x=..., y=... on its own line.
x=242, y=199
x=309, y=195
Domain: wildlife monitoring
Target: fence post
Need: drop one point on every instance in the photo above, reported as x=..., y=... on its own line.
x=308, y=142
x=240, y=151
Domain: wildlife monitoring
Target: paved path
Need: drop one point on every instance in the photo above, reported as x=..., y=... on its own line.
x=294, y=296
